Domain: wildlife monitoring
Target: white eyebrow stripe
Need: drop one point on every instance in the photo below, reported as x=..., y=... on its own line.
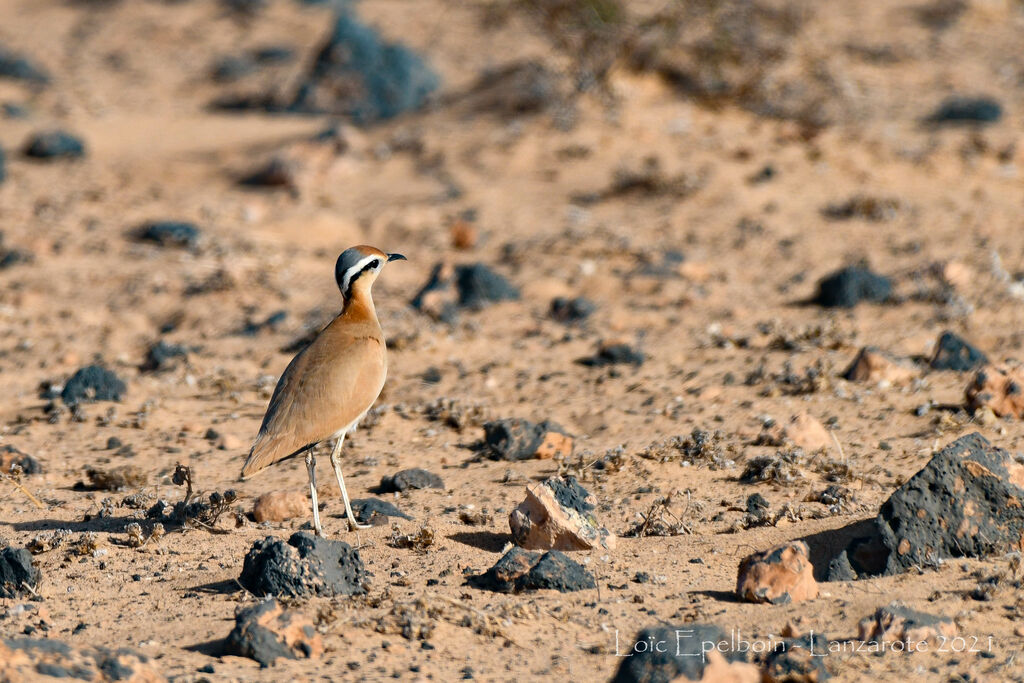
x=346, y=280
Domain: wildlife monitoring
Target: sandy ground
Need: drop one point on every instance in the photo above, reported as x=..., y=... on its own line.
x=132, y=79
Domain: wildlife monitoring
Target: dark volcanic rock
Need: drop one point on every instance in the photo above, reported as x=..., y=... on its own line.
x=11, y=256
x=359, y=75
x=520, y=570
x=17, y=573
x=964, y=503
x=798, y=659
x=515, y=439
x=168, y=233
x=368, y=510
x=415, y=478
x=959, y=111
x=271, y=322
x=864, y=207
x=43, y=659
x=273, y=54
x=228, y=69
x=571, y=310
x=466, y=286
x=246, y=7
x=163, y=356
x=11, y=457
x=954, y=353
x=13, y=110
x=847, y=287
x=613, y=354
x=276, y=172
x=55, y=144
x=555, y=571
x=20, y=68
x=305, y=565
x=92, y=383
x=670, y=653
x=266, y=631
x=478, y=285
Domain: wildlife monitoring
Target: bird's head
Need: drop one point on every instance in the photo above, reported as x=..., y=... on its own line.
x=359, y=266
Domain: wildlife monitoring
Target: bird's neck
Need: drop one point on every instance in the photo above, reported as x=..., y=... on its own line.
x=360, y=304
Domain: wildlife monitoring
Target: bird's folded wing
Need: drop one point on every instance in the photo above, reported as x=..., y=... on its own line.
x=324, y=389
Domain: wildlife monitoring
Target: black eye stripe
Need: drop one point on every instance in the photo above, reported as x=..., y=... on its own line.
x=355, y=276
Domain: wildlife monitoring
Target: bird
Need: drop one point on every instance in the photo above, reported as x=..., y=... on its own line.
x=329, y=386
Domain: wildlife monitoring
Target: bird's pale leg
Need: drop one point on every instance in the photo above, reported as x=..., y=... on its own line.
x=336, y=462
x=311, y=470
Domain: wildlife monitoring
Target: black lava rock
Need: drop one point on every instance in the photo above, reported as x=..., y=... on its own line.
x=963, y=503
x=11, y=457
x=13, y=110
x=668, y=653
x=520, y=570
x=169, y=233
x=46, y=659
x=92, y=383
x=369, y=509
x=799, y=659
x=954, y=353
x=415, y=478
x=514, y=438
x=271, y=322
x=306, y=565
x=571, y=310
x=12, y=256
x=470, y=286
x=958, y=111
x=613, y=354
x=571, y=495
x=274, y=173
x=163, y=356
x=20, y=68
x=17, y=573
x=847, y=287
x=757, y=504
x=863, y=207
x=556, y=571
x=478, y=285
x=55, y=144
x=273, y=54
x=359, y=75
x=228, y=69
x=247, y=7
x=262, y=632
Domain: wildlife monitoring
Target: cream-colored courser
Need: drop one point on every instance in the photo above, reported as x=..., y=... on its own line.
x=330, y=385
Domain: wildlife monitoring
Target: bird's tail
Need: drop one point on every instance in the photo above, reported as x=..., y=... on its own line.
x=264, y=453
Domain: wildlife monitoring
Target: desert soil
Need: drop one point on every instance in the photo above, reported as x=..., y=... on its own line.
x=132, y=79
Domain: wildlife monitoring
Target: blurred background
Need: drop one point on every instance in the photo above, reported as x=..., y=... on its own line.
x=643, y=220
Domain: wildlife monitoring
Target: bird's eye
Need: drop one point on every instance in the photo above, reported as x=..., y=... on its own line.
x=375, y=263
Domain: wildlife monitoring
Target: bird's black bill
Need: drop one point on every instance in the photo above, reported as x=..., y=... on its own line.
x=396, y=257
